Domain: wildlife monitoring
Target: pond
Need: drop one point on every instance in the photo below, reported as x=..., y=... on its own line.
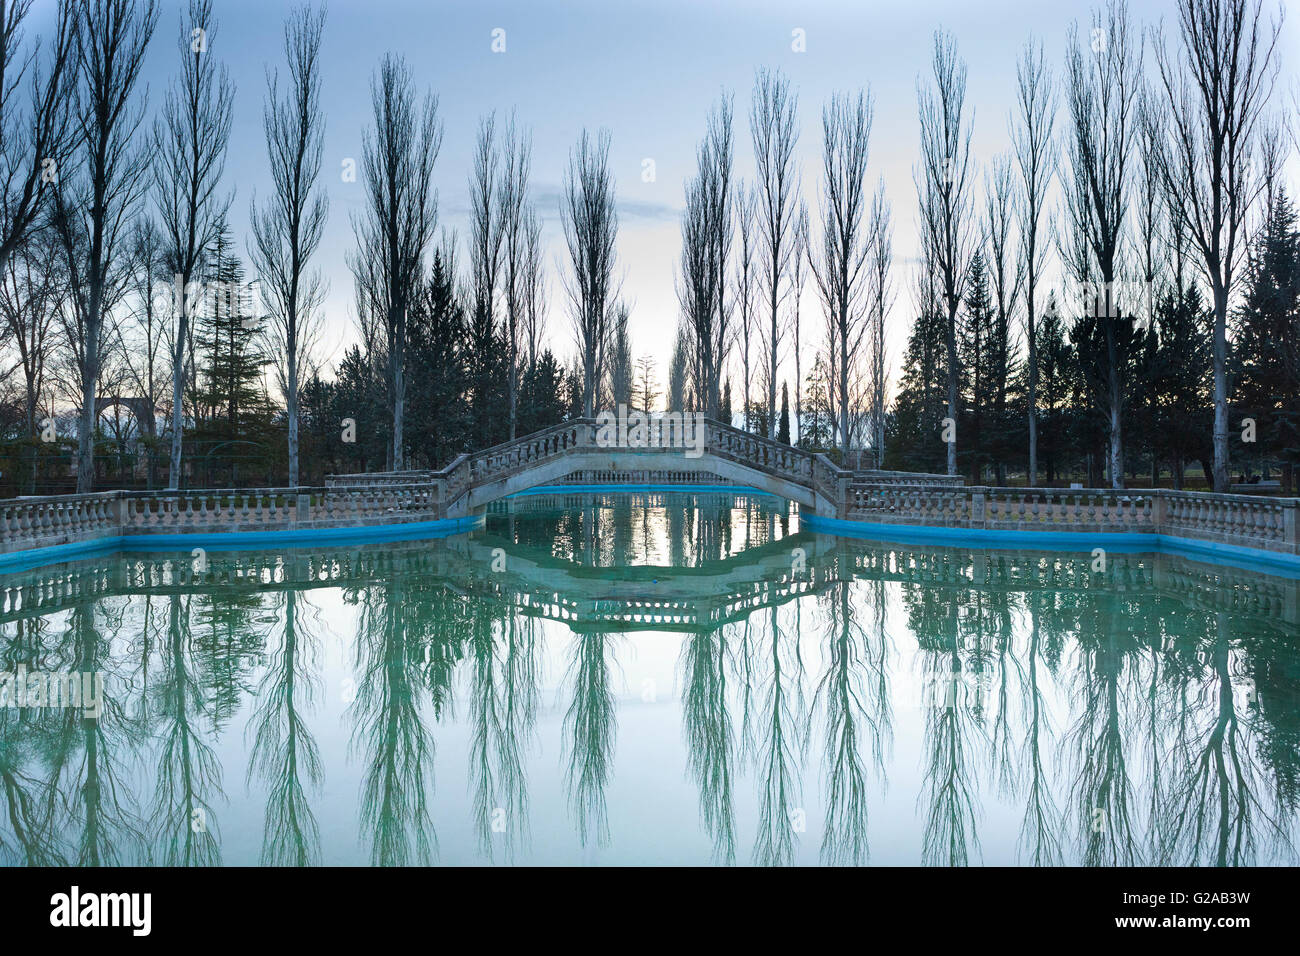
x=650, y=678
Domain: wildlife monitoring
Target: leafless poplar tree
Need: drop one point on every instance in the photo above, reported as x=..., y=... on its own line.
x=97, y=196
x=287, y=229
x=37, y=129
x=189, y=156
x=1006, y=281
x=1103, y=86
x=514, y=219
x=943, y=184
x=798, y=274
x=840, y=268
x=745, y=279
x=775, y=134
x=590, y=219
x=400, y=218
x=721, y=202
x=706, y=245
x=1031, y=135
x=881, y=300
x=1214, y=105
x=621, y=373
x=534, y=288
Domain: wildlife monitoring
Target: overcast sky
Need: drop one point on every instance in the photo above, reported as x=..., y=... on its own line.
x=646, y=71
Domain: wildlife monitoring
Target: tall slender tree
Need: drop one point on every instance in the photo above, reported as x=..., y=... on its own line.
x=189, y=156
x=1214, y=104
x=1036, y=163
x=590, y=220
x=775, y=133
x=841, y=267
x=880, y=300
x=400, y=218
x=943, y=183
x=97, y=198
x=1103, y=85
x=287, y=229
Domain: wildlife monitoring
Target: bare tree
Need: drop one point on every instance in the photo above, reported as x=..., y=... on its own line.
x=590, y=220
x=1103, y=88
x=534, y=288
x=97, y=197
x=706, y=244
x=400, y=218
x=486, y=238
x=772, y=126
x=1006, y=274
x=287, y=228
x=515, y=224
x=145, y=322
x=745, y=280
x=840, y=268
x=32, y=290
x=37, y=109
x=798, y=267
x=1214, y=105
x=622, y=376
x=943, y=184
x=189, y=156
x=1036, y=163
x=881, y=300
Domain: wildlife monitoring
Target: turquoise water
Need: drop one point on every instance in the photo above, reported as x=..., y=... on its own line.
x=653, y=679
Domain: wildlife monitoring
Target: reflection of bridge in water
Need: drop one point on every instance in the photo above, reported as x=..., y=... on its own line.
x=587, y=598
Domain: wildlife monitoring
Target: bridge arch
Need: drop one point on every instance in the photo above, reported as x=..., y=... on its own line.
x=554, y=470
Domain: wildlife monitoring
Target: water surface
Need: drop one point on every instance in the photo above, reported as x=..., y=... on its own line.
x=653, y=679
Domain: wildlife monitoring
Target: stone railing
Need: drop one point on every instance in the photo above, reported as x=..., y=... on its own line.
x=57, y=519
x=916, y=478
x=66, y=519
x=1266, y=523
x=515, y=456
x=372, y=478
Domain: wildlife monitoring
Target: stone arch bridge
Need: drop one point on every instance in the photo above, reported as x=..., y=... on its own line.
x=668, y=451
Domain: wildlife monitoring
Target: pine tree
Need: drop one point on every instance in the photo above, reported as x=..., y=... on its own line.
x=1267, y=347
x=913, y=432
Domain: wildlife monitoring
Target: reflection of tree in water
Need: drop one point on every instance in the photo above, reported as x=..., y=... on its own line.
x=1273, y=668
x=389, y=730
x=31, y=802
x=1106, y=681
x=1214, y=812
x=189, y=775
x=779, y=744
x=228, y=636
x=952, y=704
x=283, y=751
x=710, y=737
x=589, y=726
x=1040, y=842
x=504, y=675
x=853, y=695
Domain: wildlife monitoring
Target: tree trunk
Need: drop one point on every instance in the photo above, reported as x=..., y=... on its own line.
x=1221, y=478
x=178, y=382
x=952, y=384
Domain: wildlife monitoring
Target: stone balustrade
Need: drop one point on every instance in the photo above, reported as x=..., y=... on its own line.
x=1244, y=520
x=901, y=498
